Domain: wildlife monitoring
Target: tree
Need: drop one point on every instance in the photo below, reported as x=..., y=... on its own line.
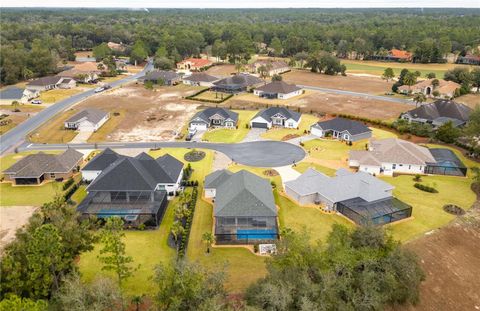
x=476, y=174
x=177, y=230
x=262, y=71
x=138, y=53
x=276, y=45
x=277, y=78
x=410, y=79
x=208, y=238
x=113, y=254
x=475, y=74
x=101, y=51
x=148, y=85
x=301, y=57
x=388, y=74
x=163, y=63
x=188, y=286
x=431, y=75
x=357, y=269
x=447, y=133
x=137, y=300
x=402, y=75
x=15, y=303
x=435, y=83
x=419, y=98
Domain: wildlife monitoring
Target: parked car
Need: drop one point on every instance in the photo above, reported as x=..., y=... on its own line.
x=190, y=134
x=107, y=86
x=36, y=101
x=99, y=89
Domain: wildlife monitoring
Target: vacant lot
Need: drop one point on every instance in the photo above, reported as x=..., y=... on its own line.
x=12, y=219
x=209, y=95
x=470, y=100
x=137, y=115
x=221, y=70
x=377, y=68
x=371, y=85
x=16, y=118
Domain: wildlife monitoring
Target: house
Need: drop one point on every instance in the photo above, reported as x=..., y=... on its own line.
x=438, y=113
x=342, y=129
x=214, y=117
x=277, y=89
x=244, y=207
x=445, y=89
x=359, y=196
x=276, y=117
x=194, y=64
x=84, y=72
x=273, y=67
x=238, y=83
x=35, y=168
x=133, y=188
x=161, y=77
x=469, y=59
x=99, y=163
x=51, y=82
x=200, y=79
x=391, y=156
x=11, y=94
x=87, y=120
x=395, y=55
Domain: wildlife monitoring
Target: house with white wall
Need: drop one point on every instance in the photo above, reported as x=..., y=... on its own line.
x=277, y=90
x=87, y=120
x=276, y=117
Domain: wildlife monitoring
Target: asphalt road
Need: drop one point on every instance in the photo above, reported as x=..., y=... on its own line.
x=258, y=153
x=364, y=95
x=17, y=135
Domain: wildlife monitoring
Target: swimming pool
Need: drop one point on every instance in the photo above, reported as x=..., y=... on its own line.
x=256, y=234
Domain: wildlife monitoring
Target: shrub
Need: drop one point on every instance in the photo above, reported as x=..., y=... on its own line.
x=425, y=188
x=417, y=177
x=255, y=248
x=68, y=183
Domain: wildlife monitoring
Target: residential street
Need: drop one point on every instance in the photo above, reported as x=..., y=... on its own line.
x=17, y=135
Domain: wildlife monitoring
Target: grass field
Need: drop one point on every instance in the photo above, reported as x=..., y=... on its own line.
x=101, y=135
x=377, y=68
x=231, y=135
x=279, y=133
x=17, y=117
x=210, y=95
x=53, y=96
x=303, y=166
x=250, y=97
x=54, y=131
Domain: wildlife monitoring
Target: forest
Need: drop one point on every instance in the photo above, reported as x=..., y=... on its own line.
x=34, y=40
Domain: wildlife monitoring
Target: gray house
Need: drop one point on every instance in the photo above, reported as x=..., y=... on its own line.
x=277, y=89
x=342, y=129
x=200, y=79
x=214, y=117
x=87, y=120
x=244, y=208
x=161, y=77
x=133, y=188
x=438, y=113
x=359, y=196
x=100, y=162
x=276, y=117
x=238, y=83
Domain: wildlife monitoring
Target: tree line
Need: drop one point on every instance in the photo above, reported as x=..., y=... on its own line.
x=229, y=34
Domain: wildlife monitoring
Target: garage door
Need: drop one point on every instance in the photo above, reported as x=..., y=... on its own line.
x=198, y=126
x=259, y=125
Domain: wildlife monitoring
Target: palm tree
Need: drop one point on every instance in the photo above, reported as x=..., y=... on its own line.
x=262, y=70
x=137, y=300
x=410, y=79
x=435, y=83
x=419, y=98
x=177, y=230
x=208, y=238
x=238, y=67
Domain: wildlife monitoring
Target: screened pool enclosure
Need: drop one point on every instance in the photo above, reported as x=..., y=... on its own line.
x=245, y=230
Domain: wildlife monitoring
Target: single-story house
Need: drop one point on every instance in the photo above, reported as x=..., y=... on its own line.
x=84, y=72
x=348, y=193
x=11, y=94
x=278, y=89
x=391, y=156
x=99, y=163
x=469, y=59
x=87, y=120
x=244, y=207
x=395, y=55
x=161, y=77
x=238, y=83
x=438, y=113
x=214, y=117
x=200, y=79
x=274, y=67
x=342, y=129
x=35, y=168
x=194, y=64
x=446, y=163
x=276, y=117
x=214, y=180
x=445, y=89
x=133, y=188
x=51, y=82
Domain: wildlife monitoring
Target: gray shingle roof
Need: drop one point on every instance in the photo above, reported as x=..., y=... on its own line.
x=93, y=115
x=201, y=77
x=102, y=160
x=244, y=194
x=216, y=178
x=240, y=80
x=442, y=108
x=345, y=185
x=341, y=124
x=206, y=114
x=278, y=87
x=11, y=93
x=44, y=81
x=268, y=113
x=138, y=173
x=160, y=74
x=35, y=165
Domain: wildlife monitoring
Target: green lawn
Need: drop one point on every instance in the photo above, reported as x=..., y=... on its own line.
x=303, y=166
x=331, y=149
x=231, y=136
x=382, y=134
x=279, y=133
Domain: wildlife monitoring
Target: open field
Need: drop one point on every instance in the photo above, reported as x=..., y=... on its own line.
x=377, y=68
x=13, y=218
x=370, y=85
x=471, y=100
x=145, y=115
x=26, y=111
x=250, y=97
x=231, y=135
x=210, y=95
x=279, y=133
x=221, y=70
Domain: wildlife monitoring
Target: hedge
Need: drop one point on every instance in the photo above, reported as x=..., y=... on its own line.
x=425, y=188
x=182, y=250
x=192, y=97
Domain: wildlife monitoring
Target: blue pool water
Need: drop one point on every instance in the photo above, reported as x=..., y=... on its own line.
x=117, y=212
x=256, y=234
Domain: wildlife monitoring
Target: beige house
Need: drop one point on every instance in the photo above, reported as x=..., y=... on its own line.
x=445, y=89
x=273, y=67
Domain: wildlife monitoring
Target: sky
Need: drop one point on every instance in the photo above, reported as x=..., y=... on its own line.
x=242, y=4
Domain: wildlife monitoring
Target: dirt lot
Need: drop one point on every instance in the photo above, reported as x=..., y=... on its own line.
x=450, y=259
x=26, y=111
x=148, y=115
x=11, y=219
x=369, y=85
x=221, y=70
x=470, y=100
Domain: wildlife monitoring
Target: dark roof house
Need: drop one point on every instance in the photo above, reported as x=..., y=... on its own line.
x=439, y=112
x=87, y=119
x=102, y=160
x=278, y=89
x=214, y=116
x=157, y=76
x=276, y=116
x=237, y=83
x=341, y=128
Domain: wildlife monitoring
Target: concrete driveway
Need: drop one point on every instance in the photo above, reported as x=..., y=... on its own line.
x=258, y=154
x=81, y=137
x=287, y=173
x=254, y=135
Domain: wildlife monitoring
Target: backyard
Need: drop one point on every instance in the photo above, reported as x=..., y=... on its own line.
x=213, y=96
x=231, y=135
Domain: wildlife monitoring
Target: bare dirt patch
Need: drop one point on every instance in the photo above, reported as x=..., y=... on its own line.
x=149, y=115
x=12, y=218
x=221, y=70
x=471, y=100
x=364, y=84
x=26, y=111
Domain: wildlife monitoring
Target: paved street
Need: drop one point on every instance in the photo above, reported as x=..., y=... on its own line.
x=17, y=135
x=259, y=153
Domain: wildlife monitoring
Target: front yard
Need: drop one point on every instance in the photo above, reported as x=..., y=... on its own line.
x=56, y=95
x=231, y=135
x=281, y=133
x=54, y=131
